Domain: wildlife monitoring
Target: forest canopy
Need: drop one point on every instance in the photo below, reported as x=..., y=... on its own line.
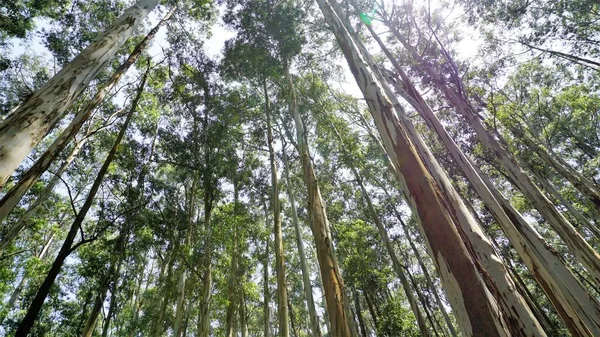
x=343, y=168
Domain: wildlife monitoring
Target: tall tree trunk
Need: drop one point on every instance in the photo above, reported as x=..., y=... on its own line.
x=553, y=192
x=19, y=288
x=476, y=309
x=282, y=307
x=578, y=246
x=331, y=277
x=517, y=316
x=421, y=263
x=243, y=316
x=164, y=301
x=384, y=236
x=111, y=278
x=361, y=321
x=15, y=229
x=371, y=310
x=579, y=181
x=14, y=195
x=308, y=293
x=525, y=239
x=266, y=292
x=67, y=247
x=28, y=125
x=204, y=320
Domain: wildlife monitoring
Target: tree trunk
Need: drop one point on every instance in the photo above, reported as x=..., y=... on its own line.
x=579, y=181
x=67, y=247
x=308, y=293
x=428, y=279
x=29, y=124
x=551, y=190
x=475, y=308
x=386, y=240
x=282, y=307
x=204, y=320
x=266, y=292
x=243, y=316
x=19, y=288
x=331, y=277
x=361, y=321
x=166, y=283
x=14, y=195
x=524, y=237
x=578, y=246
x=371, y=310
x=15, y=229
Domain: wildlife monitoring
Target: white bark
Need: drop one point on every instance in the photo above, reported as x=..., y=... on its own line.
x=34, y=118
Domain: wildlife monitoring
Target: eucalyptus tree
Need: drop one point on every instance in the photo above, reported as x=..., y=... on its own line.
x=454, y=91
x=32, y=120
x=14, y=195
x=68, y=247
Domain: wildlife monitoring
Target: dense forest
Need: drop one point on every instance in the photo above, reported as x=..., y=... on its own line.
x=343, y=168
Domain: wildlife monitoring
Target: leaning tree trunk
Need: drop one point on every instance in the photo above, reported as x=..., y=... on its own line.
x=310, y=301
x=476, y=309
x=14, y=195
x=554, y=193
x=576, y=243
x=282, y=305
x=386, y=240
x=525, y=239
x=112, y=277
x=19, y=288
x=15, y=229
x=67, y=247
x=581, y=183
x=29, y=124
x=330, y=273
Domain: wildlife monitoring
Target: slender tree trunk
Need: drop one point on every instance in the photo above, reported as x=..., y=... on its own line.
x=579, y=181
x=476, y=309
x=14, y=195
x=371, y=310
x=166, y=283
x=112, y=278
x=551, y=190
x=204, y=320
x=421, y=263
x=308, y=293
x=361, y=321
x=282, y=307
x=386, y=240
x=67, y=247
x=578, y=246
x=332, y=279
x=19, y=288
x=243, y=316
x=266, y=292
x=15, y=229
x=29, y=124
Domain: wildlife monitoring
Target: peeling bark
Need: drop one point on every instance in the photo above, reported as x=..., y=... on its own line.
x=29, y=124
